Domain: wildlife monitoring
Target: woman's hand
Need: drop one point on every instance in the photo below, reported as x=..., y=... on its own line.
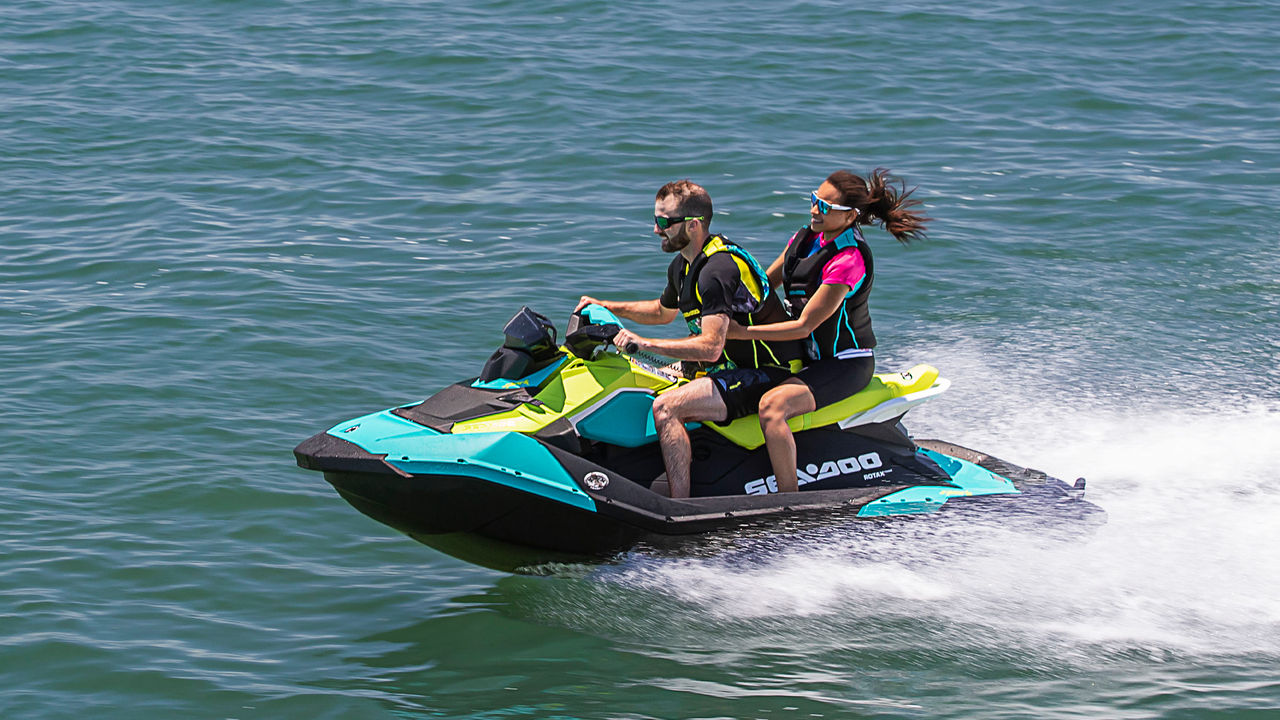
x=824, y=303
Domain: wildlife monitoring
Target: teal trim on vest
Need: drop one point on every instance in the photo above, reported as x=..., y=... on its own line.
x=844, y=318
x=762, y=277
x=846, y=239
x=850, y=327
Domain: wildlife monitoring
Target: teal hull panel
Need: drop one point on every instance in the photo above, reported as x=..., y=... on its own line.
x=505, y=458
x=972, y=479
x=375, y=429
x=626, y=420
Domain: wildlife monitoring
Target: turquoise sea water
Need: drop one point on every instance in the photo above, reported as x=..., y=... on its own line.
x=228, y=225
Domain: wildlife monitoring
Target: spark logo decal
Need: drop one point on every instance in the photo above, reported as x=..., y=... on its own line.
x=829, y=469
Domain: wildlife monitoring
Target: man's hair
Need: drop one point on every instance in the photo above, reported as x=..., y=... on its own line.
x=692, y=199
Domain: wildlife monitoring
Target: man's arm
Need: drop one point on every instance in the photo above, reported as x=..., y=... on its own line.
x=645, y=312
x=706, y=347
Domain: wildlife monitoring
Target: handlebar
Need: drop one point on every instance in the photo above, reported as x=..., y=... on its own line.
x=598, y=317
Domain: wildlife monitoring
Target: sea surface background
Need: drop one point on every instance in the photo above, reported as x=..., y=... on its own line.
x=228, y=225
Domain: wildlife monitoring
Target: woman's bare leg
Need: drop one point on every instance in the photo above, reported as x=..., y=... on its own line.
x=787, y=400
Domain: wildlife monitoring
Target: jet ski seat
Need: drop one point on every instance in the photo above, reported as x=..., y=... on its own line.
x=888, y=395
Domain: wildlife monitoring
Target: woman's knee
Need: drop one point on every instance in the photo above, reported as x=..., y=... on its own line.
x=783, y=403
x=773, y=410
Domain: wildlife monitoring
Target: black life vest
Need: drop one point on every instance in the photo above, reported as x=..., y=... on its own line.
x=850, y=326
x=753, y=304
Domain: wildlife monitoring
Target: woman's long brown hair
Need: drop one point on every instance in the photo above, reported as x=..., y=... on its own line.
x=882, y=197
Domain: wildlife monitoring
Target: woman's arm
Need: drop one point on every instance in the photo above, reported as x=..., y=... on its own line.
x=821, y=306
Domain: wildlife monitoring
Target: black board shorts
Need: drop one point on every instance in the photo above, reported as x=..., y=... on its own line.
x=833, y=379
x=742, y=388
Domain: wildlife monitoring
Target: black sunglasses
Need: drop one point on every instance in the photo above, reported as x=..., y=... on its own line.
x=666, y=222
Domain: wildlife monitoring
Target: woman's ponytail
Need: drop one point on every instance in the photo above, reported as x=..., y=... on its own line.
x=883, y=197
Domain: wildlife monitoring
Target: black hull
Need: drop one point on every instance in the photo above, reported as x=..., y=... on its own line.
x=439, y=505
x=427, y=506
x=500, y=526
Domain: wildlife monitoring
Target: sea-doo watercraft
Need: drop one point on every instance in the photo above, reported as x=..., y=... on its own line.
x=551, y=453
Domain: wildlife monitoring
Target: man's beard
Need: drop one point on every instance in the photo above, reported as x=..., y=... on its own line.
x=678, y=243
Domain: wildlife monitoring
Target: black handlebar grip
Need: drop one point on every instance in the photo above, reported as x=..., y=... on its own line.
x=631, y=348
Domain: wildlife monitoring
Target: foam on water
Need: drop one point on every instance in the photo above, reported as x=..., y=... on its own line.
x=1187, y=561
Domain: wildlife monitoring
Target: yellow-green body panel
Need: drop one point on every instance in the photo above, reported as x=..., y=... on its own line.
x=578, y=386
x=884, y=386
x=582, y=383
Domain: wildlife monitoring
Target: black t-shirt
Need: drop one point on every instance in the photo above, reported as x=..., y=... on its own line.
x=721, y=291
x=719, y=284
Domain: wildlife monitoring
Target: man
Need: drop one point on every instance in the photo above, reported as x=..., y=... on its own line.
x=709, y=282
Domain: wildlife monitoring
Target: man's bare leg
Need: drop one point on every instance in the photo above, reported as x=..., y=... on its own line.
x=696, y=402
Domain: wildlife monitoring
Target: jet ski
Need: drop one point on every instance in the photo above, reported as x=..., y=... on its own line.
x=550, y=454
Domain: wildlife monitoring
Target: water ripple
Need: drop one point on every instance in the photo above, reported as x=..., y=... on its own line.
x=224, y=226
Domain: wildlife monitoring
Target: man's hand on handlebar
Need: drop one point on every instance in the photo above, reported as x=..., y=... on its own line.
x=628, y=342
x=586, y=300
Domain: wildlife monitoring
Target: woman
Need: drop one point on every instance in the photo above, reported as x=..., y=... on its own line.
x=825, y=274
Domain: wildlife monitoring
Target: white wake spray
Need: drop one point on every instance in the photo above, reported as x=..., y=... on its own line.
x=1188, y=560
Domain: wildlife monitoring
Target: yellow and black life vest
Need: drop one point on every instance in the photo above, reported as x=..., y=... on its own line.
x=752, y=304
